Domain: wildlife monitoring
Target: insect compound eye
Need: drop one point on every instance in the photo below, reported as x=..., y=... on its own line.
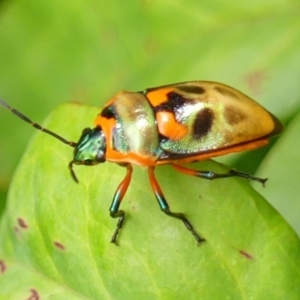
x=100, y=156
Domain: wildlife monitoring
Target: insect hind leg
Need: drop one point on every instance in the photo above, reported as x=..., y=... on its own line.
x=212, y=175
x=165, y=207
x=119, y=195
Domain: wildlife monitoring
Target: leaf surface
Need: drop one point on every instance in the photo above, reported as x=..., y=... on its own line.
x=54, y=235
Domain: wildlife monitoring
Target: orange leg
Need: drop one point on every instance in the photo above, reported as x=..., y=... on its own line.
x=211, y=175
x=119, y=195
x=165, y=207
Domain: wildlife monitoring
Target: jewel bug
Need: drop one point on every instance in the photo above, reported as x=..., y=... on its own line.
x=172, y=124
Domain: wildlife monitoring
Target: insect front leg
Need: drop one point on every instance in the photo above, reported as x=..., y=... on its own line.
x=119, y=194
x=211, y=175
x=165, y=207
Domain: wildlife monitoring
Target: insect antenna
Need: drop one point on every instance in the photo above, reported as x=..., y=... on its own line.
x=35, y=125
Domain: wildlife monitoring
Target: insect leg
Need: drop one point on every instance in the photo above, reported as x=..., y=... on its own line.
x=211, y=175
x=165, y=207
x=119, y=194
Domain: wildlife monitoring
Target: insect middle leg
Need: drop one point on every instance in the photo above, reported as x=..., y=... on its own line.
x=211, y=175
x=165, y=207
x=119, y=195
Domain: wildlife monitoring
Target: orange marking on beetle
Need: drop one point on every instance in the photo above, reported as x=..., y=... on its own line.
x=157, y=97
x=130, y=157
x=109, y=124
x=169, y=127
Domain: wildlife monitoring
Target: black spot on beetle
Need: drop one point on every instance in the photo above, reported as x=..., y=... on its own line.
x=233, y=115
x=195, y=89
x=107, y=113
x=203, y=123
x=173, y=103
x=226, y=92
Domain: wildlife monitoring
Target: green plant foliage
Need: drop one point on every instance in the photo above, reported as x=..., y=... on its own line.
x=54, y=235
x=58, y=51
x=283, y=162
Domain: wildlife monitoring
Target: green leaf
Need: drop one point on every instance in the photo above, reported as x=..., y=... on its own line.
x=54, y=235
x=57, y=51
x=283, y=163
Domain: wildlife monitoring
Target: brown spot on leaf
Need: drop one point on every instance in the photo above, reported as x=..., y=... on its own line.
x=246, y=254
x=3, y=266
x=255, y=80
x=233, y=115
x=22, y=223
x=59, y=245
x=33, y=295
